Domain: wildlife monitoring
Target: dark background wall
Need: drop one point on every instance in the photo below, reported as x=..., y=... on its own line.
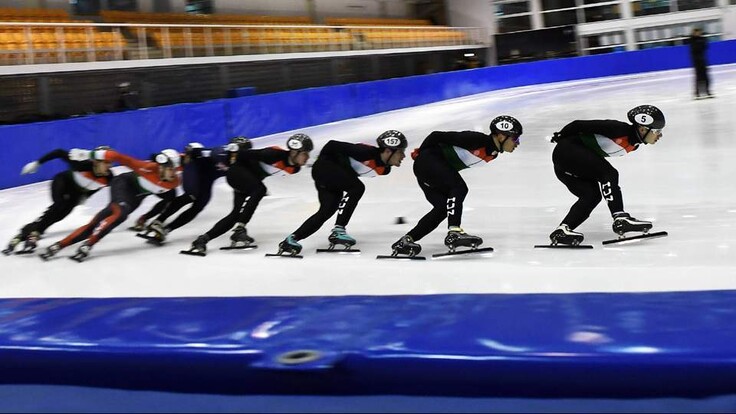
x=25, y=98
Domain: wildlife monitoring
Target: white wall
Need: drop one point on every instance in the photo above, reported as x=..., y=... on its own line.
x=49, y=4
x=267, y=7
x=361, y=8
x=474, y=13
x=58, y=4
x=471, y=13
x=16, y=3
x=333, y=8
x=179, y=6
x=729, y=23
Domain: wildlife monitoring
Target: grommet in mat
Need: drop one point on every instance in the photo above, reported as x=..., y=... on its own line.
x=300, y=356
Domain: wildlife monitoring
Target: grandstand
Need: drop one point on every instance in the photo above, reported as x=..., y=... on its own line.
x=134, y=35
x=42, y=51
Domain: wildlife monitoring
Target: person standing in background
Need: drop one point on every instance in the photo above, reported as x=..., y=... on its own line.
x=698, y=49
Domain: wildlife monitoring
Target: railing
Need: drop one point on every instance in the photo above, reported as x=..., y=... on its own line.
x=30, y=43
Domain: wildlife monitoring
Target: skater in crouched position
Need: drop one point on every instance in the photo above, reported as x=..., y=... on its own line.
x=202, y=167
x=336, y=176
x=127, y=191
x=437, y=165
x=245, y=176
x=69, y=188
x=580, y=163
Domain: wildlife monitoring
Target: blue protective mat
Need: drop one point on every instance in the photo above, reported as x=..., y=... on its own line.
x=593, y=344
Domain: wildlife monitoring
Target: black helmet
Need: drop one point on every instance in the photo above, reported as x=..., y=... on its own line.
x=647, y=116
x=392, y=139
x=242, y=142
x=300, y=142
x=505, y=124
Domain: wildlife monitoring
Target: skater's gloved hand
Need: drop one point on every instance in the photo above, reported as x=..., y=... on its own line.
x=30, y=168
x=78, y=154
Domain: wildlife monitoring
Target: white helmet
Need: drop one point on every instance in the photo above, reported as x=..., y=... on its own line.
x=169, y=157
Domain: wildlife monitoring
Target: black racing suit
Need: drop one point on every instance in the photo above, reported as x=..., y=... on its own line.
x=335, y=174
x=245, y=177
x=203, y=168
x=579, y=162
x=437, y=163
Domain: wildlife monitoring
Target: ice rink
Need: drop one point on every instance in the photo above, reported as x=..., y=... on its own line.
x=684, y=184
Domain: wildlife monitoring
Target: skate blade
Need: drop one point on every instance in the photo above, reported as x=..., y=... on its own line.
x=136, y=229
x=624, y=240
x=77, y=259
x=248, y=247
x=483, y=252
x=23, y=252
x=285, y=255
x=339, y=251
x=150, y=239
x=563, y=246
x=192, y=253
x=401, y=257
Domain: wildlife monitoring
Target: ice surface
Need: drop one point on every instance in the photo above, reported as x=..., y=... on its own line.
x=684, y=183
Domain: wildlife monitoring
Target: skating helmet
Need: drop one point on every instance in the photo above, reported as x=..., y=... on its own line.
x=300, y=142
x=242, y=142
x=98, y=154
x=192, y=146
x=168, y=158
x=392, y=139
x=647, y=116
x=507, y=125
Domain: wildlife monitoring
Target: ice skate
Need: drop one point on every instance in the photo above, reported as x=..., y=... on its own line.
x=240, y=240
x=405, y=246
x=240, y=237
x=199, y=247
x=289, y=247
x=81, y=253
x=11, y=246
x=340, y=237
x=50, y=251
x=624, y=223
x=30, y=243
x=564, y=238
x=155, y=233
x=139, y=225
x=562, y=235
x=456, y=237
